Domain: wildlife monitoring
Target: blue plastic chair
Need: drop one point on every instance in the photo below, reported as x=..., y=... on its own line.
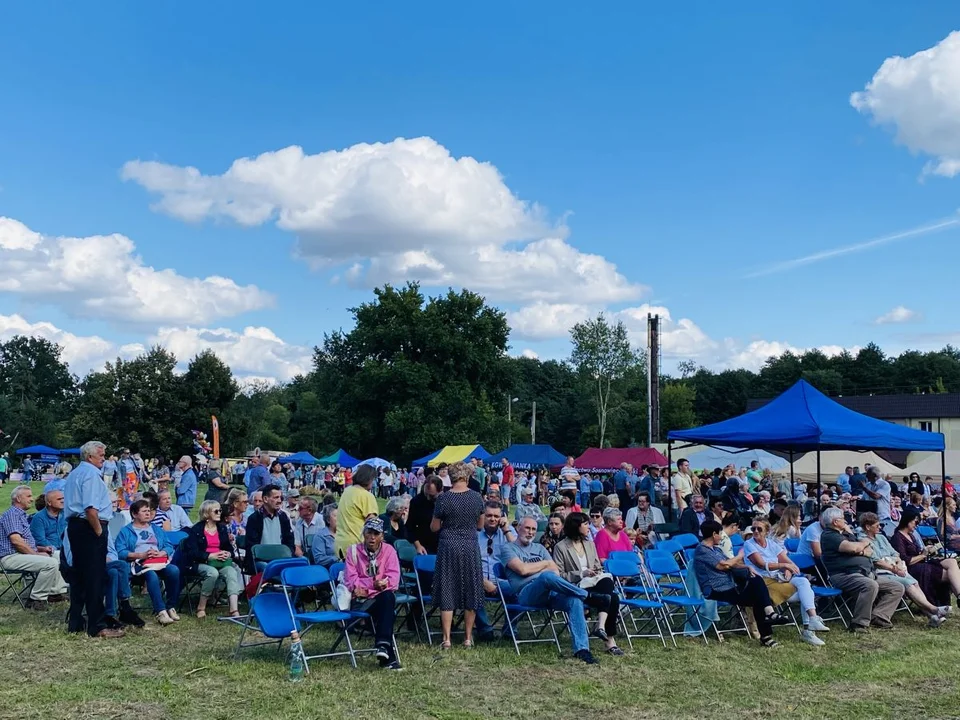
x=661, y=564
x=643, y=612
x=515, y=612
x=792, y=544
x=424, y=566
x=736, y=541
x=686, y=540
x=297, y=578
x=830, y=595
x=927, y=532
x=268, y=580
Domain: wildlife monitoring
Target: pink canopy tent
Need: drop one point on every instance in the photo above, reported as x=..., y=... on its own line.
x=610, y=459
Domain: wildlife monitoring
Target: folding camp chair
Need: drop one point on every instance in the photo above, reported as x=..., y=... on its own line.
x=660, y=565
x=266, y=586
x=515, y=613
x=686, y=540
x=424, y=566
x=830, y=596
x=405, y=601
x=642, y=612
x=302, y=577
x=263, y=554
x=20, y=582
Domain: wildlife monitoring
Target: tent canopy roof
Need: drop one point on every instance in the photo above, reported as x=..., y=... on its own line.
x=38, y=450
x=802, y=418
x=524, y=457
x=452, y=454
x=610, y=459
x=341, y=457
x=300, y=458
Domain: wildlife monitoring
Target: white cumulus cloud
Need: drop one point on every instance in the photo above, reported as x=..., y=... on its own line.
x=81, y=353
x=919, y=97
x=405, y=209
x=101, y=277
x=255, y=352
x=899, y=314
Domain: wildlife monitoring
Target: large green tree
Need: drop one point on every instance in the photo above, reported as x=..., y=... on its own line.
x=36, y=391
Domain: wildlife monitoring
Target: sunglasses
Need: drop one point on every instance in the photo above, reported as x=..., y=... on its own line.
x=489, y=546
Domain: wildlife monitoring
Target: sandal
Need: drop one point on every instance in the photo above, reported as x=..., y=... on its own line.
x=235, y=614
x=468, y=644
x=201, y=614
x=769, y=642
x=445, y=645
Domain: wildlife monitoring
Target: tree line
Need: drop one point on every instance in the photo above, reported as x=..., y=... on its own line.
x=414, y=374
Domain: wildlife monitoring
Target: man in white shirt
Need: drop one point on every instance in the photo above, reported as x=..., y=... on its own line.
x=878, y=490
x=569, y=472
x=682, y=484
x=308, y=524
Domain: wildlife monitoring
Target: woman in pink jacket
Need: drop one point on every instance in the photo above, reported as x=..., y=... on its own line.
x=372, y=574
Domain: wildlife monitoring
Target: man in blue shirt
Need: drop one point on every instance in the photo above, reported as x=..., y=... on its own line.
x=535, y=580
x=28, y=470
x=258, y=475
x=88, y=509
x=843, y=480
x=19, y=552
x=187, y=487
x=49, y=525
x=857, y=482
x=495, y=535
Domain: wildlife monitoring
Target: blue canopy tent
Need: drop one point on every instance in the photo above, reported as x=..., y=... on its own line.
x=70, y=451
x=723, y=456
x=525, y=457
x=39, y=450
x=300, y=458
x=803, y=419
x=341, y=457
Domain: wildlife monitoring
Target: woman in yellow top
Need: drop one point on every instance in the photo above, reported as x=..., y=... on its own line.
x=356, y=506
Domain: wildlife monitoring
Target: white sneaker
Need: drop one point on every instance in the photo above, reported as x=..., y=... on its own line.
x=810, y=638
x=944, y=610
x=817, y=625
x=936, y=621
x=163, y=618
x=173, y=615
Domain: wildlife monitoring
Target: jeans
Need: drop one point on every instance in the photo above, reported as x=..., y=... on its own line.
x=483, y=623
x=383, y=611
x=550, y=589
x=117, y=585
x=230, y=575
x=171, y=580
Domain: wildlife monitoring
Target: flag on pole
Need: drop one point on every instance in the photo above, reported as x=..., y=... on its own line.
x=216, y=437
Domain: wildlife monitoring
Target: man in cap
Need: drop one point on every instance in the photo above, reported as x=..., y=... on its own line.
x=527, y=507
x=372, y=574
x=187, y=486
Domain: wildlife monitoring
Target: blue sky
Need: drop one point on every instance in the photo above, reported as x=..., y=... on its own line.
x=672, y=156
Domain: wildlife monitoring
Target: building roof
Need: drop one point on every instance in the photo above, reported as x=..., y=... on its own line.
x=893, y=407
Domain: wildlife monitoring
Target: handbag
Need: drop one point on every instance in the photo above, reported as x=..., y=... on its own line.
x=588, y=582
x=343, y=598
x=139, y=567
x=219, y=563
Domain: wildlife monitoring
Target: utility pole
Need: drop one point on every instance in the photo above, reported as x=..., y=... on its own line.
x=510, y=401
x=533, y=424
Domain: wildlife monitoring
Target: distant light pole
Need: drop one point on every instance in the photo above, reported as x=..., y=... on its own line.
x=510, y=402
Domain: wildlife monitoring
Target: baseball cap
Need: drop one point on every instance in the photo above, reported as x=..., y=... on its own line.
x=374, y=525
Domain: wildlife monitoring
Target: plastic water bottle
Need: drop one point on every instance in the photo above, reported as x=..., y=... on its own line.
x=296, y=658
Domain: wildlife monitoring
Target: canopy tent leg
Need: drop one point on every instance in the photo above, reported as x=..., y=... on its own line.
x=793, y=490
x=943, y=478
x=669, y=481
x=819, y=493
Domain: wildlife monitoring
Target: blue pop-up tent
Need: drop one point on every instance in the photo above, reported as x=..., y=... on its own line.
x=341, y=457
x=525, y=457
x=38, y=450
x=803, y=419
x=300, y=458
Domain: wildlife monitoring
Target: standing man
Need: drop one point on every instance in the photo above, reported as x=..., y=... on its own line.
x=507, y=483
x=878, y=490
x=88, y=509
x=682, y=485
x=187, y=487
x=4, y=468
x=259, y=474
x=480, y=474
x=28, y=468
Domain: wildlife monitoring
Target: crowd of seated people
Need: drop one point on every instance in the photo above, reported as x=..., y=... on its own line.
x=553, y=559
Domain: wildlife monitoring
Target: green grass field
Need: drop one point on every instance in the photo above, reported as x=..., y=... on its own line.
x=187, y=671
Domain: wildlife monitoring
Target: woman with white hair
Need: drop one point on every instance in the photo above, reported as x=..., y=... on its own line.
x=613, y=537
x=59, y=481
x=210, y=554
x=763, y=504
x=395, y=519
